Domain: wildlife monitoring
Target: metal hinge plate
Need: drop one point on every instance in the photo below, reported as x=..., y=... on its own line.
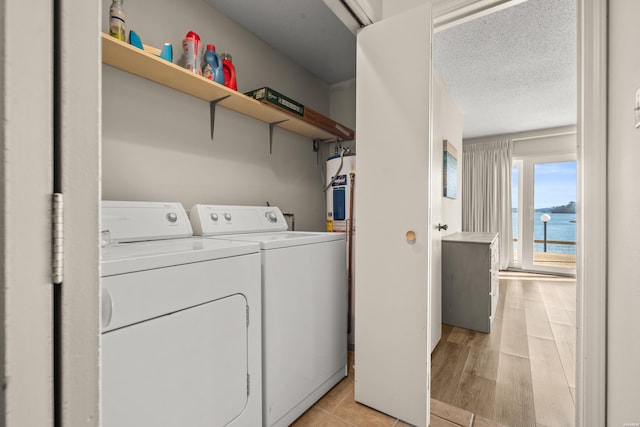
x=57, y=220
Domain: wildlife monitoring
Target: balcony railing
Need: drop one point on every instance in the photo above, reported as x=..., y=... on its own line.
x=559, y=253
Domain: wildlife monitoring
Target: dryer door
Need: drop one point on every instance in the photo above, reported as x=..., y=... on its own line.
x=188, y=368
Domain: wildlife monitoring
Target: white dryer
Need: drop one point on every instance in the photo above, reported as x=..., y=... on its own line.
x=181, y=322
x=304, y=309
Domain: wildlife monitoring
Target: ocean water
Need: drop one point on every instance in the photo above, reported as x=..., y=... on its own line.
x=559, y=228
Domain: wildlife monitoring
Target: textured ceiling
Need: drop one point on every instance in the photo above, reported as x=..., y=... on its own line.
x=512, y=71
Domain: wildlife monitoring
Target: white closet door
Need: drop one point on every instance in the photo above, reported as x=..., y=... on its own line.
x=392, y=291
x=26, y=179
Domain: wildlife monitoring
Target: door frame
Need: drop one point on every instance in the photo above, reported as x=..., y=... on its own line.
x=78, y=104
x=591, y=236
x=519, y=164
x=591, y=268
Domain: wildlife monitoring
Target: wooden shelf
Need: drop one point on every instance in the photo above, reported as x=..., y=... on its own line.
x=136, y=61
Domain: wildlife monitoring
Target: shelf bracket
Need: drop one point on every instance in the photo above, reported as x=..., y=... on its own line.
x=212, y=111
x=316, y=149
x=271, y=126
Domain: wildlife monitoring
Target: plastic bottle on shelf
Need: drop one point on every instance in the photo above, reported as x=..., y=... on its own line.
x=116, y=20
x=191, y=46
x=229, y=72
x=212, y=67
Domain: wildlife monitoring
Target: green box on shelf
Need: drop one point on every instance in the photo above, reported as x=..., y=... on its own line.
x=278, y=99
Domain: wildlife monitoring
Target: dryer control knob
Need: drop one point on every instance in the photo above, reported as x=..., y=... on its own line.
x=172, y=217
x=271, y=216
x=214, y=216
x=227, y=216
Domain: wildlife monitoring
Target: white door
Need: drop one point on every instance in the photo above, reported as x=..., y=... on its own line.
x=49, y=139
x=549, y=192
x=26, y=160
x=392, y=262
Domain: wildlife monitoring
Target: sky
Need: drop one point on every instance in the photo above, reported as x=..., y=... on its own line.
x=554, y=184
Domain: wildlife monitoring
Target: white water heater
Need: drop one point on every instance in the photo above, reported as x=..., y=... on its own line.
x=340, y=186
x=340, y=191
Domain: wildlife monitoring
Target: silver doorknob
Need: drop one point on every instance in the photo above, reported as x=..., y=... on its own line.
x=441, y=227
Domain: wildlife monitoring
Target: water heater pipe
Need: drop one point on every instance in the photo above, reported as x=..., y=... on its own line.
x=344, y=151
x=293, y=219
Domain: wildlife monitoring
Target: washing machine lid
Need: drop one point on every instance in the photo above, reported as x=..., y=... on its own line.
x=122, y=258
x=286, y=239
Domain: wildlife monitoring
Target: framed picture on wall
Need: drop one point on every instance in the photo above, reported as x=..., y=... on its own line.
x=449, y=170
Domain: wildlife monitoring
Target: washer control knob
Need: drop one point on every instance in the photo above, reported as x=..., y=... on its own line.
x=172, y=217
x=271, y=216
x=227, y=216
x=214, y=216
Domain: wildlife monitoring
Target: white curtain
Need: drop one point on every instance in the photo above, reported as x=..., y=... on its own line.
x=486, y=193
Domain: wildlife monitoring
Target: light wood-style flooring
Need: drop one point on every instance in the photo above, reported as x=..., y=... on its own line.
x=522, y=373
x=338, y=408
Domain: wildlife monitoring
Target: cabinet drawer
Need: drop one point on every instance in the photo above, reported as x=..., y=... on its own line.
x=469, y=281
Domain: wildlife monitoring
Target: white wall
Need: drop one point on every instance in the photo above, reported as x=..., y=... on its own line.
x=623, y=353
x=156, y=142
x=448, y=125
x=342, y=103
x=342, y=108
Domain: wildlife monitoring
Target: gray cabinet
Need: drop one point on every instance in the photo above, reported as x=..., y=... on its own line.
x=470, y=281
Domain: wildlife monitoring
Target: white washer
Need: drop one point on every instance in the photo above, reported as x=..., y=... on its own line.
x=304, y=309
x=181, y=322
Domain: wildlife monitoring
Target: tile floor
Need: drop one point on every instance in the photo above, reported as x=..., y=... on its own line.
x=339, y=409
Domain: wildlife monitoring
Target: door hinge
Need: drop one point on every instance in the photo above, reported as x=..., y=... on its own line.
x=57, y=220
